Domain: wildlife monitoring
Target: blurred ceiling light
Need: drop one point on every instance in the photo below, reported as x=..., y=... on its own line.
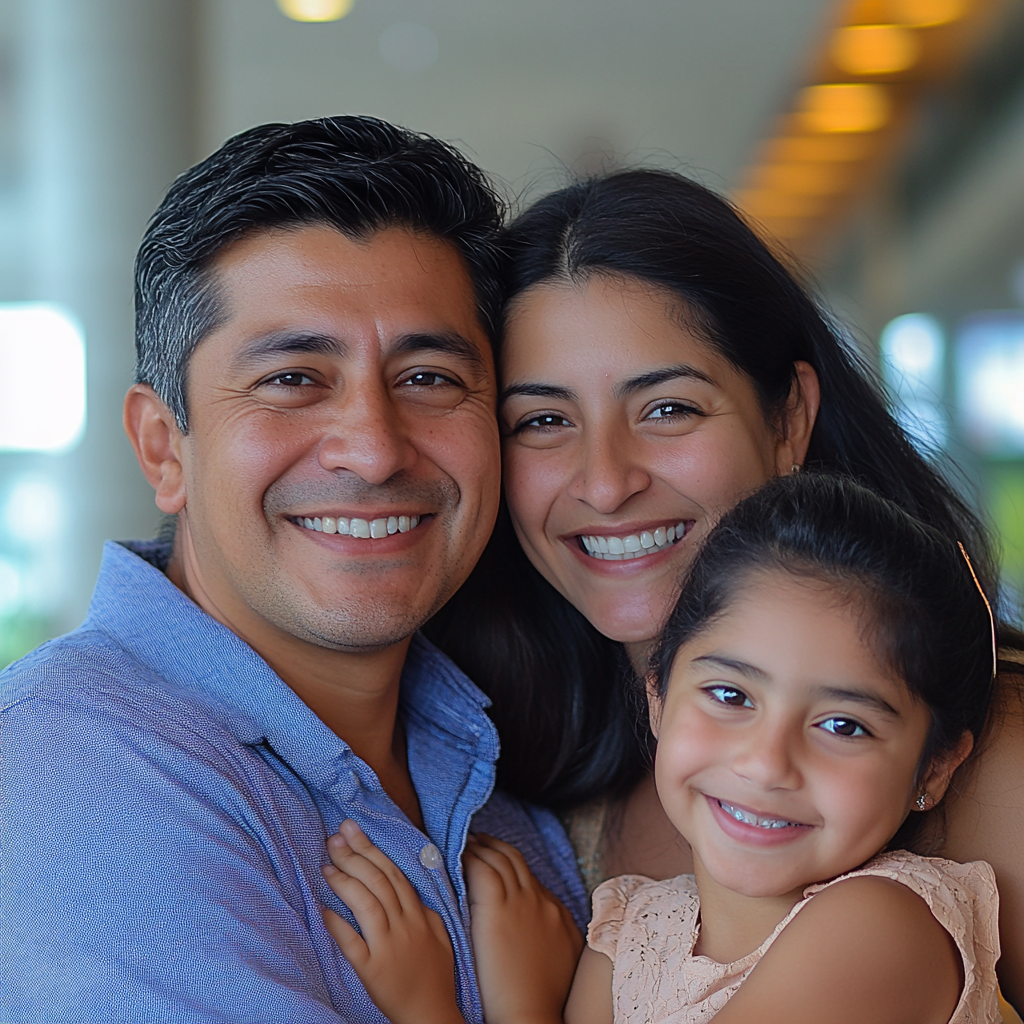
x=875, y=49
x=315, y=10
x=837, y=148
x=849, y=107
x=927, y=13
x=42, y=378
x=914, y=354
x=803, y=178
x=32, y=510
x=770, y=204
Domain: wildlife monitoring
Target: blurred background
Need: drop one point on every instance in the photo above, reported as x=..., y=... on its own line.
x=880, y=142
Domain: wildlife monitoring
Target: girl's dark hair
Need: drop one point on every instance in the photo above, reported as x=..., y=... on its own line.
x=569, y=729
x=922, y=609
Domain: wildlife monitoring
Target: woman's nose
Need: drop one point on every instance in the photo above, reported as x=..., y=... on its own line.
x=767, y=756
x=610, y=473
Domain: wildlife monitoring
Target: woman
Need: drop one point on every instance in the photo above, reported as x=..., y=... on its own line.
x=658, y=363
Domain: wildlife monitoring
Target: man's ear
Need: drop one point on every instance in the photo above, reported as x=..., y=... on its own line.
x=157, y=440
x=935, y=781
x=798, y=418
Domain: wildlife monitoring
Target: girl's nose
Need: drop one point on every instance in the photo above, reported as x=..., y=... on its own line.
x=767, y=757
x=610, y=472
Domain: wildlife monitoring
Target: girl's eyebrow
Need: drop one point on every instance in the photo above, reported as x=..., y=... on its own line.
x=865, y=697
x=743, y=667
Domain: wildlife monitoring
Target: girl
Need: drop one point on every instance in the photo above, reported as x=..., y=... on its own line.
x=826, y=670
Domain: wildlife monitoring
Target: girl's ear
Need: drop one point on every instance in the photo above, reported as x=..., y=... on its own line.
x=654, y=705
x=935, y=781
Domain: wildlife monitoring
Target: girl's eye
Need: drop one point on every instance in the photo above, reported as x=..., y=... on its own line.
x=843, y=727
x=729, y=695
x=672, y=410
x=544, y=421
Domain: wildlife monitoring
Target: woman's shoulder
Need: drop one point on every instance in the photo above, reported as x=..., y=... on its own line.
x=621, y=903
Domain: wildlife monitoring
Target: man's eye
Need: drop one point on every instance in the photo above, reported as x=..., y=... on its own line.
x=427, y=379
x=843, y=727
x=729, y=695
x=672, y=410
x=292, y=379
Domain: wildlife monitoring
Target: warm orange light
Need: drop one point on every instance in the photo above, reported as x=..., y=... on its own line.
x=927, y=13
x=315, y=10
x=802, y=179
x=875, y=49
x=759, y=202
x=830, y=148
x=852, y=107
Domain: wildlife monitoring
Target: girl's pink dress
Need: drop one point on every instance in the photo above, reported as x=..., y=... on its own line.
x=649, y=929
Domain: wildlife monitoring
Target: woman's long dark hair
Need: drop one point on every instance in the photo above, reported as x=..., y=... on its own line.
x=562, y=700
x=915, y=591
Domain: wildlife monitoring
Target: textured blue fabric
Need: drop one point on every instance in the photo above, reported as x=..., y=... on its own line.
x=166, y=802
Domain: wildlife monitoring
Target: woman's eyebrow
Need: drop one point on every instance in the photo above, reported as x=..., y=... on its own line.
x=655, y=377
x=531, y=390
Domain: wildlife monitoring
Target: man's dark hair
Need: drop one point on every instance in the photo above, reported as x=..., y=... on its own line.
x=356, y=174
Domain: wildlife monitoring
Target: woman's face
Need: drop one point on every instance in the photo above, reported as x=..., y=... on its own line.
x=626, y=436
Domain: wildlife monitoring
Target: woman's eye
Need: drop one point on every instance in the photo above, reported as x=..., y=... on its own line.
x=543, y=421
x=729, y=695
x=672, y=410
x=843, y=727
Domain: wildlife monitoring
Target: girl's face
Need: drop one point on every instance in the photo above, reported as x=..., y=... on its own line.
x=626, y=436
x=787, y=752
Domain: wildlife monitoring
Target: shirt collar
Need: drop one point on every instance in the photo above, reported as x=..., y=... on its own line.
x=189, y=651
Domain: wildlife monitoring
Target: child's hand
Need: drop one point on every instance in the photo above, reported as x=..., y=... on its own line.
x=404, y=957
x=525, y=942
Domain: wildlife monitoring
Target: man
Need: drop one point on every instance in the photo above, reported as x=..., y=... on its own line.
x=315, y=408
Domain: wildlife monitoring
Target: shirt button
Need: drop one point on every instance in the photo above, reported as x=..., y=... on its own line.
x=430, y=857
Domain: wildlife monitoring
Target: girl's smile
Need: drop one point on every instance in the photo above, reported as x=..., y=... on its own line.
x=788, y=752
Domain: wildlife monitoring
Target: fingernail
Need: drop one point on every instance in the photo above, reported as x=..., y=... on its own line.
x=337, y=841
x=329, y=869
x=349, y=828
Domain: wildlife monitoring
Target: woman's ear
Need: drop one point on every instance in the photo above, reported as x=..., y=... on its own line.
x=654, y=704
x=933, y=784
x=798, y=418
x=157, y=440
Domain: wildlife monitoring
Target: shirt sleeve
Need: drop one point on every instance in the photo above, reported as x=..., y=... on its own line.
x=610, y=903
x=139, y=884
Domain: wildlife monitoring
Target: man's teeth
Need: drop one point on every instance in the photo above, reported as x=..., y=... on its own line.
x=636, y=545
x=362, y=528
x=754, y=819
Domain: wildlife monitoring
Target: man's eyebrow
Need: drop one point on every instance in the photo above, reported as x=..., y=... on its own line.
x=290, y=343
x=655, y=377
x=450, y=342
x=864, y=697
x=533, y=390
x=742, y=667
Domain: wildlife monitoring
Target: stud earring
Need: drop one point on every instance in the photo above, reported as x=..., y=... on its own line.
x=921, y=803
x=796, y=468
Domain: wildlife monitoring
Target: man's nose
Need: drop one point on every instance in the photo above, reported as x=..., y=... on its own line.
x=367, y=434
x=610, y=470
x=767, y=755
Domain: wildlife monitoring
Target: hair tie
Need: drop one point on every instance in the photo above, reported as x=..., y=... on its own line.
x=988, y=607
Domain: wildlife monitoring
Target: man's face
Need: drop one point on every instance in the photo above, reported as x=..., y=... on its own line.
x=351, y=382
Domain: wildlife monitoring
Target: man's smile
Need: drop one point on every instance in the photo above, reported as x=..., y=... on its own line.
x=362, y=529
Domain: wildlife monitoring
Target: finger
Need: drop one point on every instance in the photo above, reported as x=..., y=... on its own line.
x=515, y=858
x=483, y=883
x=367, y=909
x=349, y=941
x=353, y=864
x=358, y=841
x=500, y=863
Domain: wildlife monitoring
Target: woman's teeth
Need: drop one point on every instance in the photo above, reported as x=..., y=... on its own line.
x=636, y=545
x=755, y=819
x=362, y=528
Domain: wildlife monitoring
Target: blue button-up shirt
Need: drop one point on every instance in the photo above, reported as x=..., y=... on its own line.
x=166, y=802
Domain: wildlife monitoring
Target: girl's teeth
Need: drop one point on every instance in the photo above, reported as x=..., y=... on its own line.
x=618, y=549
x=753, y=819
x=362, y=528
